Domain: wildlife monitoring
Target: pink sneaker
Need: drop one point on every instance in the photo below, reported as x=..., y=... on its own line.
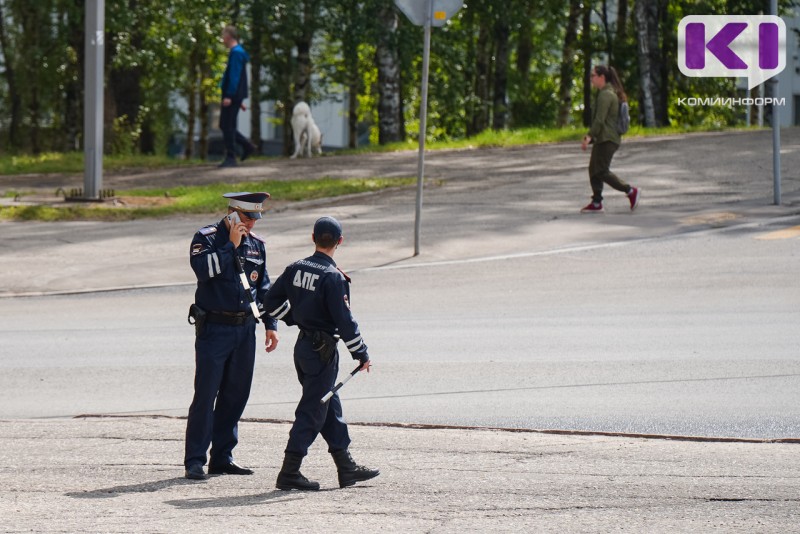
x=591, y=207
x=633, y=196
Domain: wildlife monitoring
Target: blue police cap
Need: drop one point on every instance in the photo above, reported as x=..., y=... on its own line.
x=328, y=225
x=251, y=204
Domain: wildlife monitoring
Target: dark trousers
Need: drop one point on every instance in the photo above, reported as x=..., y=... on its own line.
x=312, y=418
x=228, y=117
x=600, y=170
x=224, y=357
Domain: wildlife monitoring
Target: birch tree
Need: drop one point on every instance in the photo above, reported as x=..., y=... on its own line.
x=567, y=70
x=387, y=60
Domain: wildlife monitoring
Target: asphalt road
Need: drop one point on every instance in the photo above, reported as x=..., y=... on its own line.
x=679, y=319
x=692, y=335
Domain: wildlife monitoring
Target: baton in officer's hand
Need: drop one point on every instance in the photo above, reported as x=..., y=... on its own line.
x=246, y=285
x=338, y=386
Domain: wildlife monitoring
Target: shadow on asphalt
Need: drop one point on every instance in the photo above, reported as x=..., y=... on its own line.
x=239, y=500
x=145, y=487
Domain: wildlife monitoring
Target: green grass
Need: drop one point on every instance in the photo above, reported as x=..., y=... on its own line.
x=72, y=163
x=529, y=136
x=201, y=199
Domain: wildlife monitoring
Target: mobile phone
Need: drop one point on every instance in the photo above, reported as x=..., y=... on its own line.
x=233, y=217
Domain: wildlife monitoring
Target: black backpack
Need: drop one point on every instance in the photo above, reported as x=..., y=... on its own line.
x=624, y=120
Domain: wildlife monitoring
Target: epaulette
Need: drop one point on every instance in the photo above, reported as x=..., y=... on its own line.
x=345, y=275
x=208, y=230
x=255, y=235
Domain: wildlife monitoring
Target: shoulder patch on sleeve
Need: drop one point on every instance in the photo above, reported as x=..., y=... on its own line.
x=256, y=236
x=345, y=275
x=208, y=230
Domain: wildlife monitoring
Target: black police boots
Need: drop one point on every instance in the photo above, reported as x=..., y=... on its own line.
x=290, y=477
x=349, y=471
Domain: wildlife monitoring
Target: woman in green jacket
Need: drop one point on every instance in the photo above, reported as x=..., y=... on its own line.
x=605, y=138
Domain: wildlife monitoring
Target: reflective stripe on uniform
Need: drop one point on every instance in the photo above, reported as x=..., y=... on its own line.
x=281, y=310
x=213, y=265
x=354, y=344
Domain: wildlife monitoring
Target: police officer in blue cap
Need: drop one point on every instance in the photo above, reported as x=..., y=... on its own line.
x=225, y=327
x=315, y=295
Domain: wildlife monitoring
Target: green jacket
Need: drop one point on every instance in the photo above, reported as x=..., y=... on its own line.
x=605, y=115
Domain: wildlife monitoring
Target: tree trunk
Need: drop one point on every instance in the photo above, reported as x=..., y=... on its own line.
x=35, y=110
x=126, y=83
x=469, y=71
x=288, y=142
x=353, y=90
x=524, y=49
x=622, y=20
x=302, y=79
x=502, y=33
x=567, y=64
x=483, y=53
x=647, y=104
x=401, y=109
x=73, y=86
x=522, y=104
x=205, y=115
x=607, y=33
x=191, y=100
x=662, y=72
x=352, y=113
x=191, y=118
x=586, y=46
x=14, y=96
x=256, y=49
x=390, y=117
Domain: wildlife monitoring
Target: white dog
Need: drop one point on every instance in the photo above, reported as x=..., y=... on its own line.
x=307, y=137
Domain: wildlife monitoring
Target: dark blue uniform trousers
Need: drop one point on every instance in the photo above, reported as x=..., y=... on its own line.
x=224, y=356
x=312, y=418
x=228, y=122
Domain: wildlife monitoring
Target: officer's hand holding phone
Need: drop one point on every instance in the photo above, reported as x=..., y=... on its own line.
x=237, y=228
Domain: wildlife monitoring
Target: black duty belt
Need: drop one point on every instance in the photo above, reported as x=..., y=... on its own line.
x=230, y=318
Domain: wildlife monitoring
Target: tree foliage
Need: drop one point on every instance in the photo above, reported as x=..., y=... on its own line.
x=496, y=64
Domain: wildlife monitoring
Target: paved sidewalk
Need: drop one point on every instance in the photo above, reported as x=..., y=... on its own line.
x=125, y=475
x=479, y=203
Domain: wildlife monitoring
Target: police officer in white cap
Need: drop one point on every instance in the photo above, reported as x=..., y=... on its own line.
x=225, y=326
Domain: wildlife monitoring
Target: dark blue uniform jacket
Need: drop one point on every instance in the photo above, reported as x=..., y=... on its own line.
x=234, y=80
x=315, y=295
x=219, y=287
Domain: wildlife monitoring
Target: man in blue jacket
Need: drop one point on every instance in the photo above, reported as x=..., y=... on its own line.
x=225, y=326
x=234, y=91
x=315, y=295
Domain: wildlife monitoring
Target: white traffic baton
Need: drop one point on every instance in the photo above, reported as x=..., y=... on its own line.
x=338, y=386
x=246, y=286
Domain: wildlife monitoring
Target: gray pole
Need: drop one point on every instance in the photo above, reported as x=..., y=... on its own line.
x=94, y=48
x=776, y=131
x=747, y=110
x=423, y=114
x=776, y=148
